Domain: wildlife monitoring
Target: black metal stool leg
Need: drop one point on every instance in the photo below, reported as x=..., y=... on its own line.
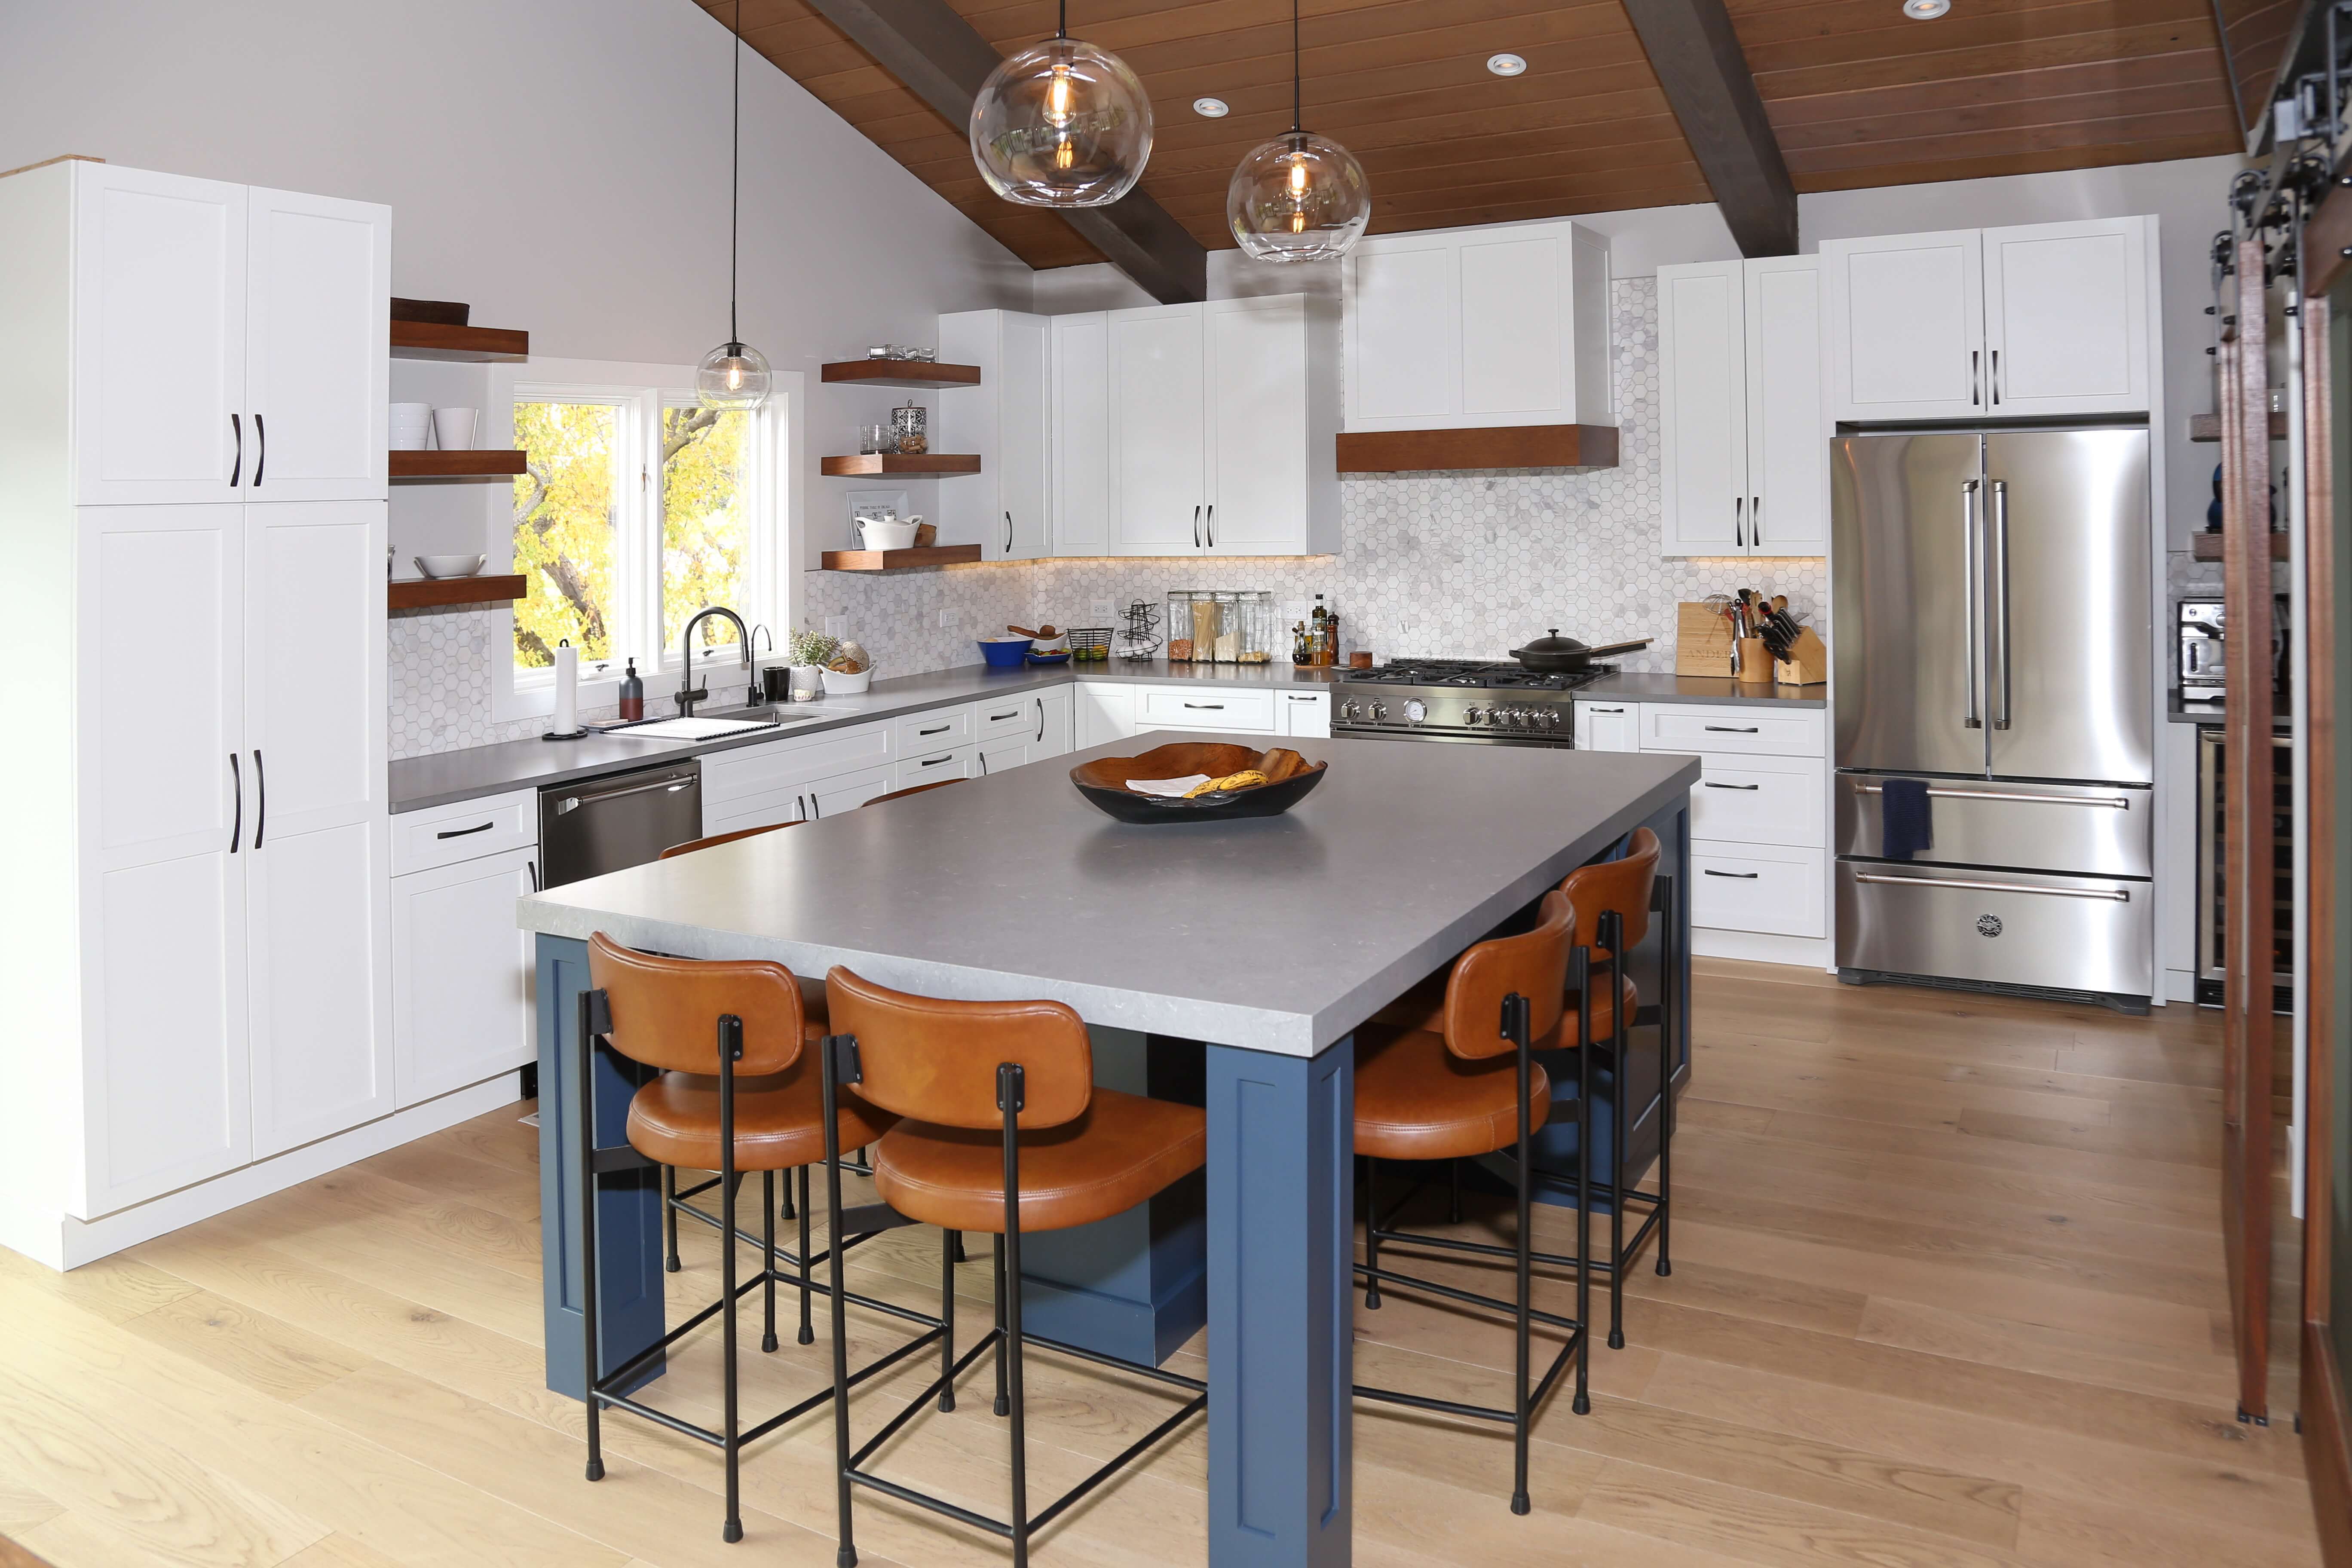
x=1371, y=1233
x=1003, y=1402
x=1582, y=1403
x=1515, y=1011
x=950, y=1243
x=767, y=1341
x=847, y=1557
x=591, y=1363
x=669, y=1218
x=1009, y=1097
x=730, y=1051
x=1669, y=977
x=807, y=1334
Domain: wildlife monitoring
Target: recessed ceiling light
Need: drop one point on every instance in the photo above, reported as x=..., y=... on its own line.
x=1507, y=65
x=1925, y=10
x=1211, y=108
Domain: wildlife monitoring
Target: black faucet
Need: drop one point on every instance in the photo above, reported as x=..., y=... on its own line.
x=687, y=694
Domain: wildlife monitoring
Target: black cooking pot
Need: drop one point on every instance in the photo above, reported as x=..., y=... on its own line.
x=1556, y=655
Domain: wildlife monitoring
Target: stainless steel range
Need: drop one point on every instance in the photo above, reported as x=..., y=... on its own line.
x=1461, y=700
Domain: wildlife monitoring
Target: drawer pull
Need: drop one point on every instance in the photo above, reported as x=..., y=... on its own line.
x=1590, y=708
x=935, y=762
x=998, y=718
x=467, y=832
x=1731, y=730
x=1745, y=876
x=936, y=730
x=2111, y=895
x=1210, y=707
x=2120, y=803
x=1712, y=784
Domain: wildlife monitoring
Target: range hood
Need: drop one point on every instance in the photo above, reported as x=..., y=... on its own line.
x=1482, y=446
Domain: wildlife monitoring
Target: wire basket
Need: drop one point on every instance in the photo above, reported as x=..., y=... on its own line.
x=1089, y=645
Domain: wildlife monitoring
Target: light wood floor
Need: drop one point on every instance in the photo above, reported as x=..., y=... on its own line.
x=1947, y=1292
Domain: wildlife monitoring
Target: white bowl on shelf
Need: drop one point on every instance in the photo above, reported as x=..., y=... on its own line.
x=881, y=535
x=450, y=565
x=409, y=426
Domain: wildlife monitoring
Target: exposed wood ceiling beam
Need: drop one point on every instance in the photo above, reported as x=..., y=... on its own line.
x=1698, y=57
x=943, y=60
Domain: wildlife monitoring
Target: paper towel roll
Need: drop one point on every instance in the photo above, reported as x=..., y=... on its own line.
x=567, y=689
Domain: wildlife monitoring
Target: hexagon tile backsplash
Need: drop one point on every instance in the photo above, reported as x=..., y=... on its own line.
x=1464, y=566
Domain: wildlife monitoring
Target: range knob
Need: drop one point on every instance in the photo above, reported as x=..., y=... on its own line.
x=1551, y=717
x=1346, y=711
x=1380, y=712
x=1472, y=715
x=1415, y=711
x=1514, y=717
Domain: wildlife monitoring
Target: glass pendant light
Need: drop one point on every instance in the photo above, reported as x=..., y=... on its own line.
x=1061, y=125
x=1299, y=197
x=734, y=374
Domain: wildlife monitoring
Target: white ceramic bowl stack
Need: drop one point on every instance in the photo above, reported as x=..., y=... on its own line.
x=411, y=427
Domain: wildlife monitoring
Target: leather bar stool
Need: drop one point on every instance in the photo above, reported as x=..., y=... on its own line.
x=1471, y=1087
x=1000, y=1129
x=691, y=845
x=1613, y=900
x=736, y=1091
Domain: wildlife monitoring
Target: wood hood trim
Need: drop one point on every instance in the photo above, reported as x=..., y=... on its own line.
x=1488, y=447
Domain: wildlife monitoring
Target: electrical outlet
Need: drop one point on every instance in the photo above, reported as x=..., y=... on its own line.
x=836, y=625
x=947, y=620
x=1100, y=609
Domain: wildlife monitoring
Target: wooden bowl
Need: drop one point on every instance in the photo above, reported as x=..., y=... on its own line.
x=1104, y=783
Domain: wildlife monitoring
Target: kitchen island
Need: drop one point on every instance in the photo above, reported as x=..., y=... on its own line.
x=1268, y=942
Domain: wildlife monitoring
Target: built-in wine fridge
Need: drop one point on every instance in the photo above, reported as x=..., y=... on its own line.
x=2213, y=857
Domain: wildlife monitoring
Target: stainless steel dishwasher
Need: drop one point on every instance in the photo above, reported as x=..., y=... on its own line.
x=594, y=825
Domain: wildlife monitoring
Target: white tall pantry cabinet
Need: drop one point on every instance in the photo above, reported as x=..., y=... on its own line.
x=196, y=938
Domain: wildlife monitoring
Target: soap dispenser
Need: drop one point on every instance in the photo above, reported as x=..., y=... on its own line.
x=633, y=693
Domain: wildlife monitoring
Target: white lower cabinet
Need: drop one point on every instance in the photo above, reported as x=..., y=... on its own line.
x=462, y=974
x=1762, y=800
x=1758, y=887
x=1206, y=708
x=1306, y=714
x=1056, y=735
x=848, y=792
x=1104, y=713
x=1758, y=813
x=1608, y=726
x=319, y=1015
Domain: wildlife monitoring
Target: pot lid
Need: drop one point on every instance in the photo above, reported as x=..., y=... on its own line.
x=1553, y=644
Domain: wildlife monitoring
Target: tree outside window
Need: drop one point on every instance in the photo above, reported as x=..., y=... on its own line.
x=706, y=498
x=565, y=510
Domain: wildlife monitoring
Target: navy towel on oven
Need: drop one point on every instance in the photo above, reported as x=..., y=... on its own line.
x=1904, y=815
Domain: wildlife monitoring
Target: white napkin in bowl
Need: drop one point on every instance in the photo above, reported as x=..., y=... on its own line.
x=1171, y=787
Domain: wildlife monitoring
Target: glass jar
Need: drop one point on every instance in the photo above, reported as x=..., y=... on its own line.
x=1227, y=609
x=1261, y=628
x=1180, y=626
x=910, y=424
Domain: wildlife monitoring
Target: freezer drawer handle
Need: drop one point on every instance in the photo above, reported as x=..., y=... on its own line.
x=467, y=832
x=1745, y=876
x=2120, y=803
x=2111, y=895
x=1712, y=784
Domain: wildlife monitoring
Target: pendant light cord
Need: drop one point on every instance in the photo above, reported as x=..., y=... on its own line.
x=1294, y=65
x=735, y=183
x=1061, y=21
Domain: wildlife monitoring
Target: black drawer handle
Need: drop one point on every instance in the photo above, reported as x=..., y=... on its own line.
x=1589, y=707
x=936, y=730
x=1736, y=876
x=467, y=832
x=935, y=762
x=1207, y=706
x=1712, y=784
x=998, y=718
x=1730, y=730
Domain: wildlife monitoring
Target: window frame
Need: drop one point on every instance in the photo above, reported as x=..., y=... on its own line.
x=642, y=392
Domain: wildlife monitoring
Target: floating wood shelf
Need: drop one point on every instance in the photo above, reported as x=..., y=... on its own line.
x=898, y=463
x=440, y=340
x=424, y=593
x=2208, y=427
x=894, y=560
x=2208, y=546
x=1490, y=447
x=496, y=463
x=901, y=372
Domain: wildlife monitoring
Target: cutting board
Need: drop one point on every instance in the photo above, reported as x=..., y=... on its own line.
x=691, y=729
x=1702, y=641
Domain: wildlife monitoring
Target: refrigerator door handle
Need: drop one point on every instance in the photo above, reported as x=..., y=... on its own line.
x=1970, y=575
x=1997, y=611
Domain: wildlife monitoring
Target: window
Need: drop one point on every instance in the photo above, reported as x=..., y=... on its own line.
x=639, y=509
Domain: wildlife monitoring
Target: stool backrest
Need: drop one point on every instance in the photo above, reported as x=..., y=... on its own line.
x=666, y=1011
x=691, y=845
x=934, y=1060
x=915, y=789
x=1620, y=885
x=1534, y=965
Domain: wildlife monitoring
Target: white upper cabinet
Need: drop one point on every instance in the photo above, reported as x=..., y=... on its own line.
x=1702, y=393
x=2027, y=322
x=1906, y=325
x=159, y=338
x=1479, y=326
x=318, y=353
x=2066, y=318
x=1080, y=501
x=1159, y=462
x=1274, y=486
x=1744, y=429
x=1004, y=420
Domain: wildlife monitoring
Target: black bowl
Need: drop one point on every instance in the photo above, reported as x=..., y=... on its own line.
x=1099, y=781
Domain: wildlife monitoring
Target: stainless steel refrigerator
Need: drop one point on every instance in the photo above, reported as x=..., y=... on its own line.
x=1992, y=635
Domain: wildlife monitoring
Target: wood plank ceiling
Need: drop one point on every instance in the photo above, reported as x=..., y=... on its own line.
x=1857, y=95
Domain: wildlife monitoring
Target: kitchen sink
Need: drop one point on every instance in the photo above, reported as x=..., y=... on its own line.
x=783, y=714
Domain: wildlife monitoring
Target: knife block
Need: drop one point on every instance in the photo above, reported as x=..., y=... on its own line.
x=1808, y=663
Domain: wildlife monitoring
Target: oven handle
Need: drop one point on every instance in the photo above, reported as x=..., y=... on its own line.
x=2111, y=895
x=2120, y=803
x=574, y=802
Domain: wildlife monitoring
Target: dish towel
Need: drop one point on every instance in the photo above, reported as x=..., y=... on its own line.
x=1906, y=818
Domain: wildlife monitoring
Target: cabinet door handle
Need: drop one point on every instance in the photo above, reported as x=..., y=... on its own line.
x=1710, y=783
x=815, y=806
x=237, y=439
x=260, y=784
x=532, y=867
x=1755, y=520
x=1196, y=528
x=1731, y=730
x=1738, y=525
x=936, y=730
x=983, y=764
x=237, y=788
x=1207, y=706
x=260, y=461
x=1975, y=378
x=1212, y=525
x=1996, y=378
x=1040, y=720
x=1008, y=534
x=467, y=832
x=1734, y=875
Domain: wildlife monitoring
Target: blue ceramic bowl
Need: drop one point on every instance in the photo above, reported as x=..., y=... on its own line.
x=1004, y=653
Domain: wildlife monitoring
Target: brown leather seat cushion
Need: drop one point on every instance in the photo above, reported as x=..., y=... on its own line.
x=1123, y=1149
x=1417, y=1101
x=1423, y=1007
x=779, y=1120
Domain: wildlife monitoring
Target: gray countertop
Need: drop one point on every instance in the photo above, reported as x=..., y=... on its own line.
x=443, y=778
x=1278, y=935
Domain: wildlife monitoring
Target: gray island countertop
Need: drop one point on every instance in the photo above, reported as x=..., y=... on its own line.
x=442, y=778
x=1278, y=935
